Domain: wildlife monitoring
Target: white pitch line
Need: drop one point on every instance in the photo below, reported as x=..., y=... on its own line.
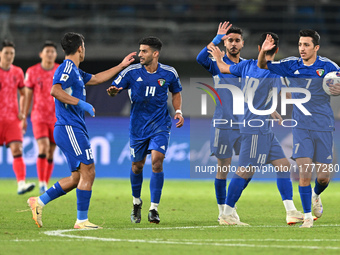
x=61, y=233
x=236, y=226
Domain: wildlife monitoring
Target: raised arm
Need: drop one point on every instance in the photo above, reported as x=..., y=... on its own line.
x=221, y=33
x=177, y=104
x=203, y=57
x=108, y=74
x=218, y=56
x=267, y=45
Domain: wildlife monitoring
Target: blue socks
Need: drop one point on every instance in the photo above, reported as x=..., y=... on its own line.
x=318, y=189
x=52, y=193
x=220, y=191
x=236, y=186
x=156, y=185
x=136, y=183
x=83, y=203
x=306, y=198
x=284, y=184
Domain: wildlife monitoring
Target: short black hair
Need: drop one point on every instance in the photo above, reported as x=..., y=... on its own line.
x=311, y=33
x=235, y=30
x=276, y=42
x=48, y=43
x=154, y=42
x=7, y=43
x=71, y=42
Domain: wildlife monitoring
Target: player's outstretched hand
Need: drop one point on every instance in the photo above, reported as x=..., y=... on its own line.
x=335, y=89
x=216, y=52
x=223, y=29
x=268, y=44
x=87, y=107
x=180, y=120
x=276, y=116
x=113, y=91
x=128, y=59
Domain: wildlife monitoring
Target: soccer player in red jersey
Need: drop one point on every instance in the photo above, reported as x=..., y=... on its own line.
x=38, y=83
x=13, y=122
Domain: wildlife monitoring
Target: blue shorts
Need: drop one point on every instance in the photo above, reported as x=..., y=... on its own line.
x=139, y=148
x=316, y=145
x=75, y=145
x=259, y=149
x=223, y=141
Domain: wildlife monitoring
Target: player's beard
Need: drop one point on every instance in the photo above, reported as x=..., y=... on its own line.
x=146, y=62
x=234, y=52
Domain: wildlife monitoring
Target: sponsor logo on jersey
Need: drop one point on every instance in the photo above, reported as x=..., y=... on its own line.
x=297, y=72
x=329, y=157
x=161, y=82
x=139, y=79
x=64, y=77
x=320, y=72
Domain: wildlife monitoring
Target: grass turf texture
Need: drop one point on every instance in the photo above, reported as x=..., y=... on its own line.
x=188, y=203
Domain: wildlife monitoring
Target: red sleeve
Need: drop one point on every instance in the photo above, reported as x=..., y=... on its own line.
x=28, y=79
x=20, y=78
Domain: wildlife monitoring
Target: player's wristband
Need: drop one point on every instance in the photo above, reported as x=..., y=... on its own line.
x=179, y=111
x=217, y=39
x=86, y=107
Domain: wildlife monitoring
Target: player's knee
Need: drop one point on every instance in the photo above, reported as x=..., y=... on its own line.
x=323, y=181
x=17, y=151
x=157, y=166
x=137, y=167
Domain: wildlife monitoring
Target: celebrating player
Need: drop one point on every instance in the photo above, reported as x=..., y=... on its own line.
x=259, y=145
x=150, y=122
x=38, y=81
x=13, y=121
x=70, y=131
x=224, y=136
x=313, y=134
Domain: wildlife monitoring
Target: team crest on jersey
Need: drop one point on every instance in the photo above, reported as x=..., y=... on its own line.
x=320, y=72
x=161, y=82
x=64, y=77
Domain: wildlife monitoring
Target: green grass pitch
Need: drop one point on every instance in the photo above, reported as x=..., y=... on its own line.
x=188, y=213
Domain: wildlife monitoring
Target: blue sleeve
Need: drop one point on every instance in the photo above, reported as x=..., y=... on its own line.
x=122, y=80
x=86, y=76
x=281, y=68
x=204, y=60
x=238, y=68
x=175, y=85
x=64, y=78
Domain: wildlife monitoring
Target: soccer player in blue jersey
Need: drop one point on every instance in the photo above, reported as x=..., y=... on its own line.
x=313, y=134
x=259, y=145
x=148, y=83
x=70, y=131
x=224, y=138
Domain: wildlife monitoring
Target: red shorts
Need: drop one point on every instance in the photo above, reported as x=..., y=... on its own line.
x=42, y=130
x=10, y=131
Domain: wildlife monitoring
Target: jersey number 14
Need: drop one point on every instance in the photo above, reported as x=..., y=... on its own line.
x=150, y=91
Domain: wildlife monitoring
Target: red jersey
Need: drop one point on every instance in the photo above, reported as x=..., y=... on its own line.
x=41, y=81
x=10, y=81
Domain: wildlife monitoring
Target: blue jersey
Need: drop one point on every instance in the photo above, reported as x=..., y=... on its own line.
x=73, y=82
x=262, y=81
x=224, y=111
x=149, y=95
x=310, y=77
